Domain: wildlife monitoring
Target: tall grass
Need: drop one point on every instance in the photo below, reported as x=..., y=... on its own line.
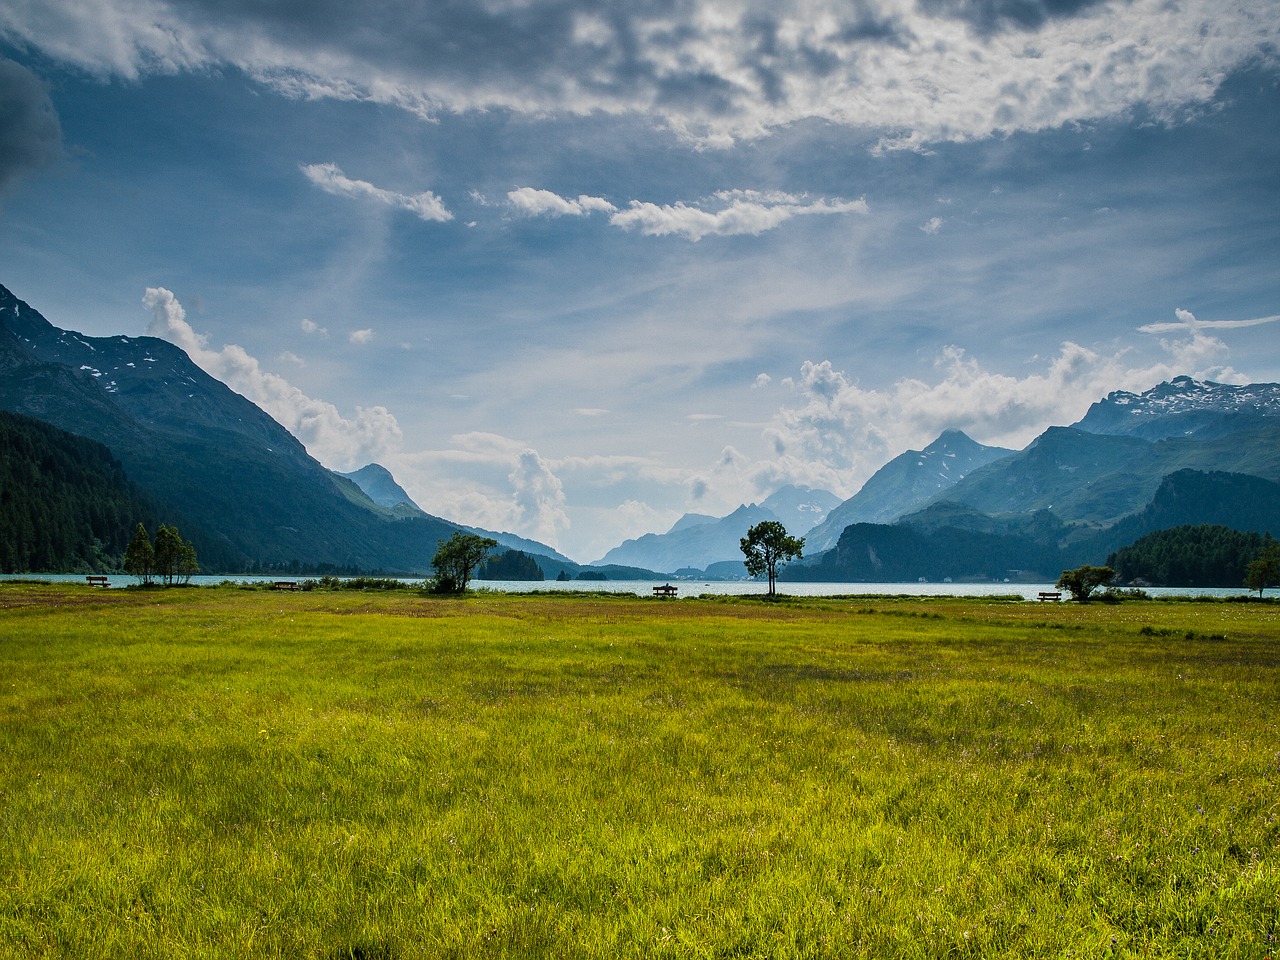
x=220, y=773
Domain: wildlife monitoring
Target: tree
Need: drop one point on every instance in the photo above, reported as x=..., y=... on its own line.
x=173, y=559
x=188, y=565
x=457, y=557
x=766, y=545
x=168, y=551
x=1082, y=581
x=1264, y=571
x=139, y=557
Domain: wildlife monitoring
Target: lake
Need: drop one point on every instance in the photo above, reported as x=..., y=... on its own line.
x=694, y=588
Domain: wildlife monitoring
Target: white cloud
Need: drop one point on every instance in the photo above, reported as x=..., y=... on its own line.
x=289, y=356
x=361, y=337
x=1186, y=322
x=741, y=212
x=922, y=72
x=532, y=202
x=933, y=225
x=329, y=178
x=311, y=328
x=734, y=212
x=334, y=440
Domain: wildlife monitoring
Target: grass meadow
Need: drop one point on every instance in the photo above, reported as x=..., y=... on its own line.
x=236, y=773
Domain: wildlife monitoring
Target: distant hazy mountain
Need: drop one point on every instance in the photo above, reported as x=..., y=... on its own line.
x=696, y=541
x=800, y=508
x=376, y=482
x=380, y=486
x=692, y=520
x=904, y=484
x=694, y=546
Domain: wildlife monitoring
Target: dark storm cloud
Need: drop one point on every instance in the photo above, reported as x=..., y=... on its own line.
x=32, y=136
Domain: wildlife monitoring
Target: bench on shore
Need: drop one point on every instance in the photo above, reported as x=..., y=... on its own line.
x=97, y=581
x=284, y=585
x=666, y=590
x=1053, y=595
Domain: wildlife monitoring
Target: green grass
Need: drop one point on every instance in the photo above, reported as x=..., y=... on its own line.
x=228, y=773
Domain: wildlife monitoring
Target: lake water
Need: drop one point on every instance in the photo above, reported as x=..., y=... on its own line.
x=694, y=588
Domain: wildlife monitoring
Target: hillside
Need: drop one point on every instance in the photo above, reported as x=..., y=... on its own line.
x=906, y=483
x=247, y=488
x=66, y=505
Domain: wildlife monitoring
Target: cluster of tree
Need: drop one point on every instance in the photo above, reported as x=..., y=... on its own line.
x=510, y=565
x=65, y=503
x=1188, y=556
x=169, y=560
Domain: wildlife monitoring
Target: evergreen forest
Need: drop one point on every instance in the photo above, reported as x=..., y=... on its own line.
x=65, y=502
x=1204, y=555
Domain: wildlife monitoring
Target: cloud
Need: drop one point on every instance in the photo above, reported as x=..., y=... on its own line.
x=932, y=226
x=361, y=337
x=32, y=135
x=742, y=212
x=335, y=440
x=539, y=497
x=488, y=480
x=311, y=328
x=543, y=203
x=1186, y=322
x=922, y=72
x=329, y=178
x=836, y=433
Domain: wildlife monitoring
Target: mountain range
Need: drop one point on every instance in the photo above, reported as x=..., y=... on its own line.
x=1186, y=452
x=181, y=447
x=242, y=489
x=697, y=542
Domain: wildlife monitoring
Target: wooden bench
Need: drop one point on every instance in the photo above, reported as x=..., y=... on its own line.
x=97, y=581
x=1052, y=595
x=666, y=590
x=285, y=585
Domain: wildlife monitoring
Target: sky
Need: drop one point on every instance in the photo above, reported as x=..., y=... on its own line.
x=573, y=268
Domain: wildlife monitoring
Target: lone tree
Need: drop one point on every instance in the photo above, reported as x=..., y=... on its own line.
x=456, y=559
x=139, y=557
x=1082, y=581
x=766, y=545
x=1264, y=571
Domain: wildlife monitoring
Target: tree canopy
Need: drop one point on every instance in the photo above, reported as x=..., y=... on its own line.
x=1082, y=581
x=1264, y=570
x=457, y=558
x=766, y=545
